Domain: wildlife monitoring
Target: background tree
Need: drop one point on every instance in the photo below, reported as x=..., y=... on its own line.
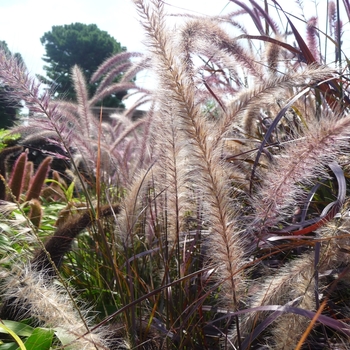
x=84, y=45
x=9, y=109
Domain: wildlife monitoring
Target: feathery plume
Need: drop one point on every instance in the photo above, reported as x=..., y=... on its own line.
x=302, y=161
x=332, y=16
x=272, y=57
x=3, y=156
x=84, y=112
x=113, y=61
x=38, y=181
x=60, y=243
x=27, y=294
x=17, y=176
x=179, y=99
x=293, y=283
x=28, y=174
x=35, y=213
x=313, y=37
x=251, y=101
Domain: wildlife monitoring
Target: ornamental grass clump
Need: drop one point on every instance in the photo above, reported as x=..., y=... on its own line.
x=217, y=221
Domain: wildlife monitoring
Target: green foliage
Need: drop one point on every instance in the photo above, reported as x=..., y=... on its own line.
x=77, y=44
x=7, y=138
x=31, y=338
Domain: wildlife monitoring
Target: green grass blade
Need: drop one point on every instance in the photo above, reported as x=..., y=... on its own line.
x=14, y=336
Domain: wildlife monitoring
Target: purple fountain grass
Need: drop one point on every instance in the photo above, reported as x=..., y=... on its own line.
x=253, y=14
x=270, y=22
x=83, y=104
x=173, y=171
x=304, y=281
x=301, y=162
x=127, y=130
x=52, y=307
x=28, y=174
x=17, y=176
x=136, y=67
x=38, y=180
x=113, y=67
x=35, y=214
x=108, y=80
x=313, y=38
x=245, y=107
x=145, y=149
x=236, y=135
x=132, y=205
x=29, y=292
x=338, y=37
x=14, y=75
x=206, y=37
x=3, y=156
x=111, y=89
x=177, y=96
x=292, y=283
x=332, y=17
x=273, y=55
x=71, y=124
x=112, y=63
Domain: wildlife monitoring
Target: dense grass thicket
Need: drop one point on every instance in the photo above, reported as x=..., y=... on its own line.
x=219, y=220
